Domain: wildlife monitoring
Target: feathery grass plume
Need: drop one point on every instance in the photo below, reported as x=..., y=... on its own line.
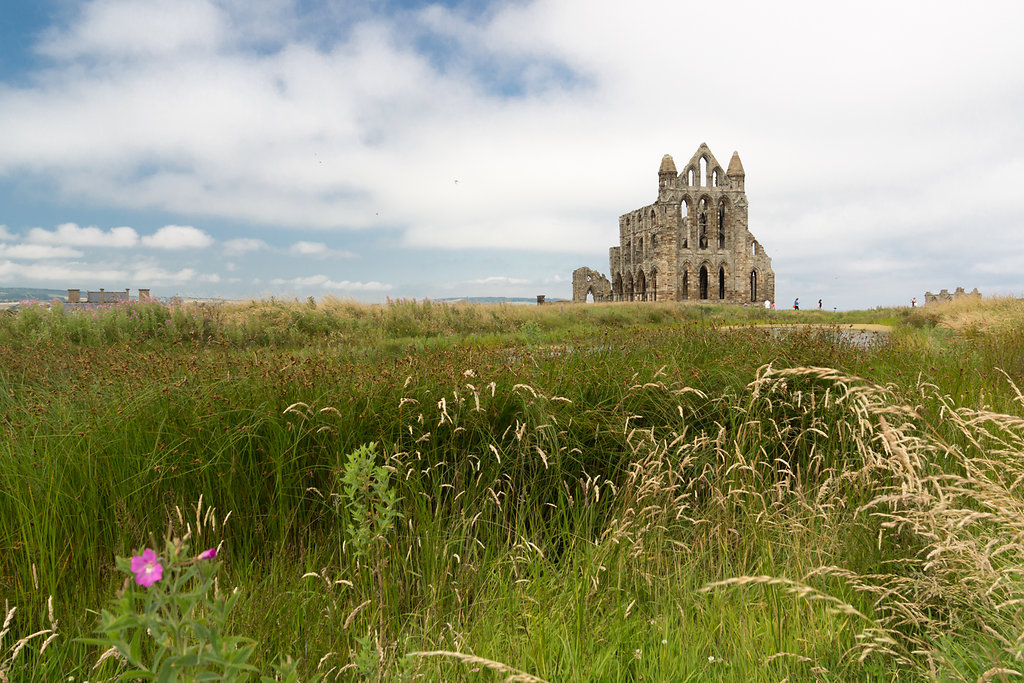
x=963, y=524
x=515, y=675
x=8, y=662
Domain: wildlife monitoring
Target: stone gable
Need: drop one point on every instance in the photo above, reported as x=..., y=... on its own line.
x=693, y=243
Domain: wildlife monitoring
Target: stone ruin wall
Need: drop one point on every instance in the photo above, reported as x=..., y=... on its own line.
x=588, y=282
x=692, y=244
x=944, y=295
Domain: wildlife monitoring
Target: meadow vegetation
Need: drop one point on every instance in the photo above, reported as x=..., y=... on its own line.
x=623, y=492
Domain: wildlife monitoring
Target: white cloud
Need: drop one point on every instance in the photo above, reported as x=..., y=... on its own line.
x=48, y=274
x=318, y=250
x=178, y=237
x=6, y=234
x=38, y=251
x=497, y=280
x=71, y=234
x=244, y=244
x=323, y=282
x=309, y=248
x=548, y=168
x=132, y=29
x=154, y=275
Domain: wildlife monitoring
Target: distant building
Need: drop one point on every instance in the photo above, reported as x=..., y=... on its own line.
x=692, y=244
x=103, y=296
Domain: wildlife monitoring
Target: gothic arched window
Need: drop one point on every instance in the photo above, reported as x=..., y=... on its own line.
x=721, y=225
x=702, y=225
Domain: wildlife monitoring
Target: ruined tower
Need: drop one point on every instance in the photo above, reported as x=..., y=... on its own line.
x=692, y=244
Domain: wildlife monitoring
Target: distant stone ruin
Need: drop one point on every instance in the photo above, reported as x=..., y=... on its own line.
x=587, y=282
x=692, y=244
x=944, y=295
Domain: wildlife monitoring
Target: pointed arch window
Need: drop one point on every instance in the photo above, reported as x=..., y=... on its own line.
x=721, y=225
x=753, y=285
x=702, y=225
x=721, y=282
x=703, y=282
x=684, y=223
x=686, y=283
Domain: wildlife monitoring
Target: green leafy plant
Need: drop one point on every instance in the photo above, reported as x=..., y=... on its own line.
x=372, y=504
x=170, y=622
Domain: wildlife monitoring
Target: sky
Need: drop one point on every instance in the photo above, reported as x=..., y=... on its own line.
x=385, y=148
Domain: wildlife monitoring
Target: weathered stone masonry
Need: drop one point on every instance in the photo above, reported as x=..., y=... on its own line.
x=692, y=244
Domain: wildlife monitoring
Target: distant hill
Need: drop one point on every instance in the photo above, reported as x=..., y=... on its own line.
x=16, y=294
x=497, y=299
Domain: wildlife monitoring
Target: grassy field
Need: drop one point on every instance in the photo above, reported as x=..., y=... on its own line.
x=647, y=492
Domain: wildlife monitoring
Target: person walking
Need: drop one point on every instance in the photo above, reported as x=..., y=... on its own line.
x=819, y=304
x=913, y=302
x=796, y=304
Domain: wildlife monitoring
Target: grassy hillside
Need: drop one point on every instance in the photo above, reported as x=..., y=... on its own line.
x=618, y=492
x=16, y=294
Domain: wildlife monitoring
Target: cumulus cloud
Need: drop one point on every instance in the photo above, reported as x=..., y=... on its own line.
x=71, y=234
x=244, y=244
x=178, y=237
x=497, y=280
x=318, y=250
x=38, y=252
x=309, y=248
x=47, y=273
x=324, y=282
x=156, y=275
x=128, y=28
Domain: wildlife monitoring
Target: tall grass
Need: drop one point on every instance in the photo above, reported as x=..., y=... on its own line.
x=609, y=499
x=339, y=322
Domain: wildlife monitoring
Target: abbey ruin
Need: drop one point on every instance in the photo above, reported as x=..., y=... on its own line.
x=692, y=244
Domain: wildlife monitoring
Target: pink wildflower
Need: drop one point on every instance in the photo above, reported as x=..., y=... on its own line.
x=208, y=554
x=146, y=569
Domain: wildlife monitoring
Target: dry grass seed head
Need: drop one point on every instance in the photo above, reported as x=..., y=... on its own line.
x=515, y=675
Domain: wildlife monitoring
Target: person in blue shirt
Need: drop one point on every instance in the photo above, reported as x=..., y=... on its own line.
x=796, y=304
